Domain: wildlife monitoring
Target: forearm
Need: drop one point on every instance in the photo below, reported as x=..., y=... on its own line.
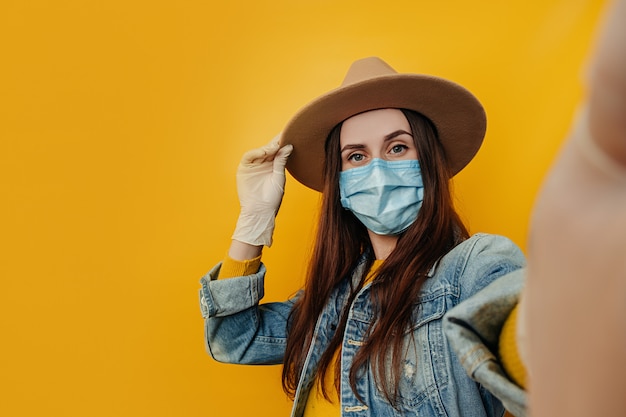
x=237, y=328
x=255, y=336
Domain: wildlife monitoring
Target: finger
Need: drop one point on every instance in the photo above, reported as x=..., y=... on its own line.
x=269, y=150
x=280, y=160
x=272, y=147
x=260, y=155
x=607, y=101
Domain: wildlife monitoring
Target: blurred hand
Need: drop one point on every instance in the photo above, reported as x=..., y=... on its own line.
x=575, y=300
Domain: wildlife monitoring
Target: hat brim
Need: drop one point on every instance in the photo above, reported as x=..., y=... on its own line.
x=456, y=113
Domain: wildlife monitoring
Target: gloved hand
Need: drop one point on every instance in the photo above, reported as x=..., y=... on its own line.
x=260, y=186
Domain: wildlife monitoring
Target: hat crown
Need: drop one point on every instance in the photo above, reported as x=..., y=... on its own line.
x=365, y=69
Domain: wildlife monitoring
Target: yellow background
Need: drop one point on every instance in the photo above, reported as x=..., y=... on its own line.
x=121, y=126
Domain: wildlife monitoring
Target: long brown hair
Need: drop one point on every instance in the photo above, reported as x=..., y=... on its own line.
x=341, y=241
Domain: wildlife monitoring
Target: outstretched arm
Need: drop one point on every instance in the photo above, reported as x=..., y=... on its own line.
x=575, y=300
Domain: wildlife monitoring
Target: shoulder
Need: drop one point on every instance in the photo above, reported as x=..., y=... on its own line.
x=478, y=261
x=486, y=247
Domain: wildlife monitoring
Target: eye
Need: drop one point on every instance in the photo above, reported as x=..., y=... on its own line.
x=398, y=149
x=356, y=157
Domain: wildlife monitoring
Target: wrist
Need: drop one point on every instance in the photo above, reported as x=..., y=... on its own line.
x=241, y=251
x=255, y=229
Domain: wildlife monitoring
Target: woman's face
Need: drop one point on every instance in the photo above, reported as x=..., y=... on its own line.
x=384, y=134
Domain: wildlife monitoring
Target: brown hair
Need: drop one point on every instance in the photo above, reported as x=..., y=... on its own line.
x=342, y=239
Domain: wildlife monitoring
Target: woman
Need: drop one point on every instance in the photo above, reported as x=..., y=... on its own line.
x=391, y=256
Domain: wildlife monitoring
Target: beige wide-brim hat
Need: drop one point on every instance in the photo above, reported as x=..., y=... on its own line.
x=372, y=84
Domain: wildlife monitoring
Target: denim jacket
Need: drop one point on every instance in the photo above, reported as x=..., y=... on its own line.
x=433, y=383
x=473, y=328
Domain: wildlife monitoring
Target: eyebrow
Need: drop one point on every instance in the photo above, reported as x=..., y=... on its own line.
x=387, y=138
x=397, y=133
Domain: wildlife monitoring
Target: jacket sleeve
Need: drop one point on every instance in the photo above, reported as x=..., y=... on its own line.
x=488, y=258
x=237, y=328
x=473, y=328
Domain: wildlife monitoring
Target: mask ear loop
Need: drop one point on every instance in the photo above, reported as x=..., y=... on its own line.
x=590, y=150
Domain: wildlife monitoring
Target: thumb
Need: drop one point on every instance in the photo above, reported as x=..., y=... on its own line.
x=280, y=160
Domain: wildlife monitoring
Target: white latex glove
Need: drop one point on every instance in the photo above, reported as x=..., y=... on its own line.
x=260, y=186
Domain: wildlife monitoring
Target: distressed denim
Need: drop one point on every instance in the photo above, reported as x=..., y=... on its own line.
x=473, y=328
x=433, y=383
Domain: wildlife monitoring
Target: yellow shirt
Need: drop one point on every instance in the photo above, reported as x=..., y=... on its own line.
x=316, y=404
x=234, y=268
x=508, y=352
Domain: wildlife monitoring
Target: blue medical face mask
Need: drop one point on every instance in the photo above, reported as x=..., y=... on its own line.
x=385, y=196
